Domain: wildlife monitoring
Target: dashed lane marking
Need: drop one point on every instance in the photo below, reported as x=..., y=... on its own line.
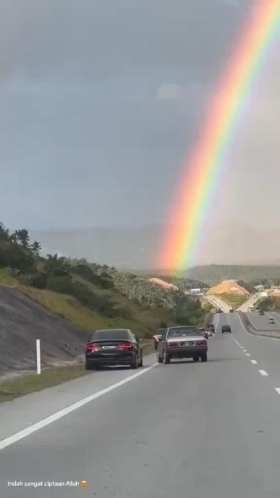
x=263, y=373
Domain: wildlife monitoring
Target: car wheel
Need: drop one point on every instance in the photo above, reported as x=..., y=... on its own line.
x=159, y=359
x=204, y=357
x=195, y=358
x=166, y=359
x=141, y=361
x=134, y=363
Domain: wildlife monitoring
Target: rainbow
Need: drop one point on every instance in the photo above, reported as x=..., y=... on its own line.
x=204, y=166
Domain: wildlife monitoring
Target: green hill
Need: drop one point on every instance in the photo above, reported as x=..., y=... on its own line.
x=213, y=274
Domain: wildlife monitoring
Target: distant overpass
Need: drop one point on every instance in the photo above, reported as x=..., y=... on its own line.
x=217, y=303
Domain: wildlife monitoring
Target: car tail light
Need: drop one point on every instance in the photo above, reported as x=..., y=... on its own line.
x=201, y=343
x=125, y=346
x=171, y=344
x=92, y=348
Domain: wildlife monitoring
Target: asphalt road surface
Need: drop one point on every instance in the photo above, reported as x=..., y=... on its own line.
x=180, y=430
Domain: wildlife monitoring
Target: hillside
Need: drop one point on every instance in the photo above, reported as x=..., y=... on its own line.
x=228, y=287
x=215, y=273
x=22, y=321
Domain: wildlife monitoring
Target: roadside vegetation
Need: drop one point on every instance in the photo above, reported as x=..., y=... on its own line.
x=269, y=303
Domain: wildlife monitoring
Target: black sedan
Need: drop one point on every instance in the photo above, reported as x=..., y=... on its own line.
x=113, y=347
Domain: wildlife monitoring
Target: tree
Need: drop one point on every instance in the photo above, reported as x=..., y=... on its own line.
x=23, y=238
x=57, y=265
x=4, y=233
x=36, y=248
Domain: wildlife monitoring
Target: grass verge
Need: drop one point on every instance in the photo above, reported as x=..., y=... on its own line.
x=29, y=383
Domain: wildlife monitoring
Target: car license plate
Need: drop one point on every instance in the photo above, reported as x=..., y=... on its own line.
x=108, y=347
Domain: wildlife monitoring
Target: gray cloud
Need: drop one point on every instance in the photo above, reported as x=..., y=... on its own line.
x=100, y=102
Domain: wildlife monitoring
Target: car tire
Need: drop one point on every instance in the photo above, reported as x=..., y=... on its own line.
x=134, y=363
x=159, y=359
x=166, y=358
x=141, y=361
x=195, y=358
x=204, y=357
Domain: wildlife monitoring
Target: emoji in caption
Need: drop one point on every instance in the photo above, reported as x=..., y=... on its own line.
x=84, y=484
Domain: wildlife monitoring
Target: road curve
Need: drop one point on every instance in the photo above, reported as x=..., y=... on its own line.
x=184, y=429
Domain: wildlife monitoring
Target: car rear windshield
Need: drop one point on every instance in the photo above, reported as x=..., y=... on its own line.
x=182, y=331
x=226, y=327
x=111, y=335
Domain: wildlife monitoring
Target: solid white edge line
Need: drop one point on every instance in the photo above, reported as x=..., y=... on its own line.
x=263, y=373
x=4, y=443
x=277, y=389
x=254, y=362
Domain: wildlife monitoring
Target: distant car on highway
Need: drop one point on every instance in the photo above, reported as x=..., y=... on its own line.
x=182, y=342
x=113, y=347
x=271, y=320
x=261, y=312
x=231, y=310
x=226, y=329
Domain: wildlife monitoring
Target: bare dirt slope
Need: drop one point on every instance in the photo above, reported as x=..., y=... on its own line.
x=22, y=321
x=228, y=287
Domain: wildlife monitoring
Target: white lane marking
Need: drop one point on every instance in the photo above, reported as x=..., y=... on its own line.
x=277, y=389
x=248, y=354
x=245, y=350
x=254, y=362
x=263, y=373
x=4, y=443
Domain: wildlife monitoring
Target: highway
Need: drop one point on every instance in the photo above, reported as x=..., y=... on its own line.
x=180, y=430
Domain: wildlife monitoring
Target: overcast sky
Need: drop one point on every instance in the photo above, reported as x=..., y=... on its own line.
x=101, y=100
